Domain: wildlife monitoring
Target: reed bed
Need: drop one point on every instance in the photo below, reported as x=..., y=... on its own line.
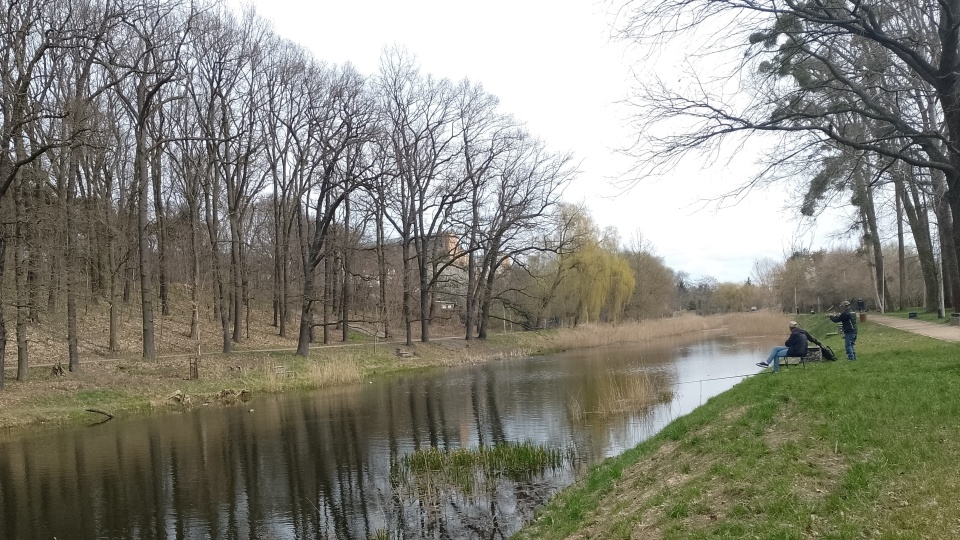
x=630, y=393
x=345, y=370
x=619, y=394
x=739, y=324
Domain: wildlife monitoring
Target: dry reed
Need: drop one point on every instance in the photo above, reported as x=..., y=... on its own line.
x=344, y=370
x=627, y=393
x=738, y=324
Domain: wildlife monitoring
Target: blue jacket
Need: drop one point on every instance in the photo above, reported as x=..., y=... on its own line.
x=796, y=343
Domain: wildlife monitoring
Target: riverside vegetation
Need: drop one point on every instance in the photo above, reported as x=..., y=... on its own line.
x=127, y=385
x=834, y=450
x=864, y=449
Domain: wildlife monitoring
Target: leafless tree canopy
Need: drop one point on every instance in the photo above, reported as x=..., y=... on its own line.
x=860, y=97
x=164, y=152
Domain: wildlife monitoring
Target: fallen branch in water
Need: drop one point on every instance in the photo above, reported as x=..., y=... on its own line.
x=98, y=411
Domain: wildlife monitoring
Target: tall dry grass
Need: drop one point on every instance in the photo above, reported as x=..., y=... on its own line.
x=737, y=324
x=619, y=394
x=278, y=375
x=623, y=394
x=345, y=370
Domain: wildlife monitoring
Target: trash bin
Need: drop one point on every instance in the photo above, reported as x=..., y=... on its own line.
x=955, y=319
x=863, y=317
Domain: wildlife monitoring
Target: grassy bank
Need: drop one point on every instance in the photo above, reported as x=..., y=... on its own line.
x=126, y=385
x=864, y=449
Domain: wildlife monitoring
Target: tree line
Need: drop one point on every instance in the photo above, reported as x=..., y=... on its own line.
x=157, y=151
x=859, y=98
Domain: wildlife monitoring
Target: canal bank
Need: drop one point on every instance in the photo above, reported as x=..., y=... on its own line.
x=123, y=386
x=360, y=460
x=840, y=449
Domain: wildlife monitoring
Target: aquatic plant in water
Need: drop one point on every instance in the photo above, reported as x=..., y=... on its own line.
x=463, y=467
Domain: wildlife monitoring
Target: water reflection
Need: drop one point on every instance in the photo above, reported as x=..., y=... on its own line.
x=318, y=465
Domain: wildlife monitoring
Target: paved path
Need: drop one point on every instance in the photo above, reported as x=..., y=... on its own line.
x=924, y=328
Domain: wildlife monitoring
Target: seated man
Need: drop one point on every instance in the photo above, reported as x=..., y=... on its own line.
x=796, y=345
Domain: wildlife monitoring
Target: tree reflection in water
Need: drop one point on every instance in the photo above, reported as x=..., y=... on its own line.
x=319, y=465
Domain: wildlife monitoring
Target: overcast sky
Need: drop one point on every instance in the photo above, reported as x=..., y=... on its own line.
x=554, y=67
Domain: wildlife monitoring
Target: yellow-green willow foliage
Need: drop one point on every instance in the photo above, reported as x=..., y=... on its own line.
x=598, y=285
x=588, y=280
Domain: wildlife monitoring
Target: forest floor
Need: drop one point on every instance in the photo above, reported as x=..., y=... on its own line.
x=124, y=384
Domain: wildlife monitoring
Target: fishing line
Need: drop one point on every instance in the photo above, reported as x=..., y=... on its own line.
x=717, y=378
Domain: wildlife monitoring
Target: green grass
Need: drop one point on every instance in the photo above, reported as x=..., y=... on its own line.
x=921, y=315
x=834, y=450
x=470, y=469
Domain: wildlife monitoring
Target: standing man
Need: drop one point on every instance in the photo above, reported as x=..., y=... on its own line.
x=848, y=322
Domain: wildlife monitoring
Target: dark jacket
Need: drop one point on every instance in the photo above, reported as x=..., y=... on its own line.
x=796, y=343
x=810, y=338
x=847, y=320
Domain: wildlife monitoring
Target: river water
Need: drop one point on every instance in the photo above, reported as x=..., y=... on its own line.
x=318, y=465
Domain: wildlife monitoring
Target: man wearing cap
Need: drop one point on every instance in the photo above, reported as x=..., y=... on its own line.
x=848, y=323
x=796, y=345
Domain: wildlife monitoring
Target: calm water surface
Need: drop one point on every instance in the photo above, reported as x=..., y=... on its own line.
x=318, y=465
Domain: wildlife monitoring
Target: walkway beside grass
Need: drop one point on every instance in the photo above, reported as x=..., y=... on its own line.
x=943, y=332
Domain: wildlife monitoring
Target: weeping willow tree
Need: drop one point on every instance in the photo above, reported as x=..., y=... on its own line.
x=599, y=284
x=587, y=279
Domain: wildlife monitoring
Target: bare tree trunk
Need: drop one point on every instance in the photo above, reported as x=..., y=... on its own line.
x=345, y=291
x=110, y=253
x=163, y=279
x=20, y=281
x=277, y=251
x=236, y=271
x=31, y=238
x=864, y=194
x=425, y=306
x=382, y=270
x=955, y=211
x=325, y=302
x=70, y=261
x=143, y=242
x=901, y=251
x=212, y=209
x=915, y=210
x=3, y=325
x=407, y=293
x=945, y=229
x=285, y=286
x=305, y=335
x=193, y=201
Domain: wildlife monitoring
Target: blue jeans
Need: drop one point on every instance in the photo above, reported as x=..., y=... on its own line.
x=849, y=340
x=776, y=354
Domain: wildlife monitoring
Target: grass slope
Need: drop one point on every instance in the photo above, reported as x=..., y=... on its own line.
x=865, y=449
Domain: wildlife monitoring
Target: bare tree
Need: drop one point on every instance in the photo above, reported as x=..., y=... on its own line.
x=146, y=54
x=31, y=32
x=525, y=193
x=810, y=66
x=287, y=160
x=420, y=114
x=339, y=124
